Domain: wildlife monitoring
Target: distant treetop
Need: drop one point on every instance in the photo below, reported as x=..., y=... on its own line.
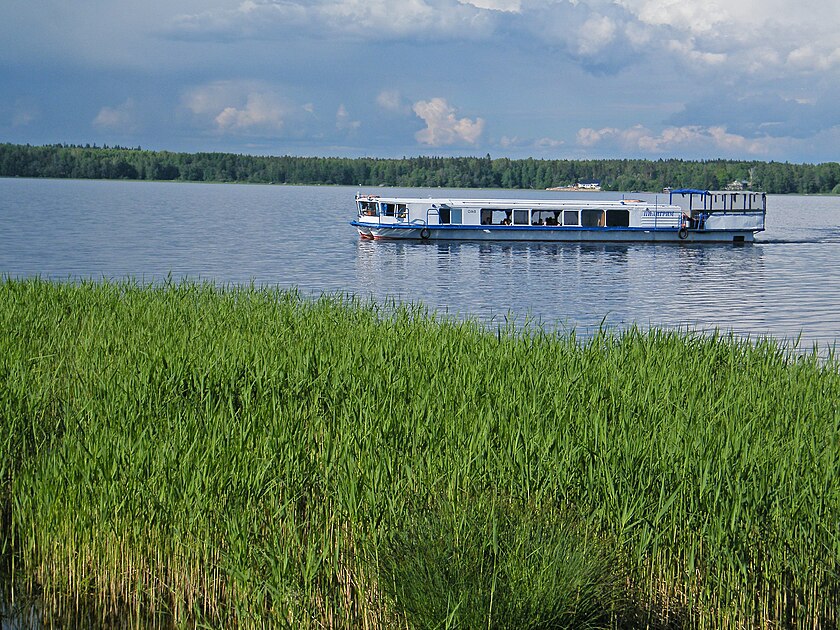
x=116, y=162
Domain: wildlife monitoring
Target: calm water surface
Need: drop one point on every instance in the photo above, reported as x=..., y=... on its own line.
x=787, y=284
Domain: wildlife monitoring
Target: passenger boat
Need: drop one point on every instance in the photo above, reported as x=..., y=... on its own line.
x=690, y=215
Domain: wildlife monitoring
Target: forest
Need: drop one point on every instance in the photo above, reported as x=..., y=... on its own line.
x=94, y=162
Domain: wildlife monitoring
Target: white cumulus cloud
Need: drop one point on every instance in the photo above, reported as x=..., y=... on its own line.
x=688, y=137
x=548, y=143
x=597, y=32
x=121, y=118
x=239, y=108
x=587, y=137
x=751, y=35
x=260, y=111
x=443, y=127
x=689, y=51
x=814, y=57
x=509, y=6
x=691, y=15
x=343, y=121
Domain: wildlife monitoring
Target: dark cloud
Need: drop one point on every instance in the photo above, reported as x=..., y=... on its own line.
x=309, y=76
x=757, y=115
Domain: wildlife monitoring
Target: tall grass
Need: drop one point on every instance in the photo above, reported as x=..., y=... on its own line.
x=247, y=456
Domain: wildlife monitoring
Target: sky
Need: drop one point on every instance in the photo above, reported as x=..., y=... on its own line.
x=549, y=79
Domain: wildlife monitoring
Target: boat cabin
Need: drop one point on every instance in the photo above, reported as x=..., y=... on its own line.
x=525, y=213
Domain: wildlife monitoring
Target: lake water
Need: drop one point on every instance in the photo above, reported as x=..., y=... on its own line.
x=786, y=284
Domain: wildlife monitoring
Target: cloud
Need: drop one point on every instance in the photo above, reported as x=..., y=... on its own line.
x=509, y=6
x=587, y=137
x=597, y=33
x=386, y=19
x=443, y=128
x=507, y=142
x=767, y=36
x=734, y=143
x=391, y=100
x=240, y=108
x=540, y=144
x=343, y=122
x=698, y=75
x=688, y=51
x=687, y=138
x=692, y=15
x=753, y=35
x=762, y=114
x=121, y=118
x=548, y=143
x=260, y=112
x=22, y=118
x=24, y=114
x=816, y=58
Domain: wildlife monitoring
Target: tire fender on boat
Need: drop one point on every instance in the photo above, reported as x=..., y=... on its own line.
x=683, y=233
x=425, y=233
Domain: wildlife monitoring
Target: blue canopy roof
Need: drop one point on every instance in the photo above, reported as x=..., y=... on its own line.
x=691, y=191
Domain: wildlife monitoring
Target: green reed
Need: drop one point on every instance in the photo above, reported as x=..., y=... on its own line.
x=249, y=456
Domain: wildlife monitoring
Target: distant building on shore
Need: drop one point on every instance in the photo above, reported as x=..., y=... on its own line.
x=588, y=185
x=738, y=185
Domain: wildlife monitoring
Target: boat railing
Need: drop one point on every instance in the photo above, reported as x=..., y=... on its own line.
x=433, y=211
x=736, y=202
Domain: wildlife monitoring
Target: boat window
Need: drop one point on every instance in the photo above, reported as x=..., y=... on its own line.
x=387, y=209
x=520, y=217
x=447, y=215
x=502, y=217
x=496, y=216
x=591, y=218
x=402, y=211
x=368, y=208
x=570, y=217
x=618, y=218
x=545, y=217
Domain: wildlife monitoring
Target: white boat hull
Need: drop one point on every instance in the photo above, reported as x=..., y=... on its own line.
x=550, y=234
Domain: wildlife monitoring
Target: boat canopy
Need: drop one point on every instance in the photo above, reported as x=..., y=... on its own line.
x=690, y=191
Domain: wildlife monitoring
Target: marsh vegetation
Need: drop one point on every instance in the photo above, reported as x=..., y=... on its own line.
x=194, y=454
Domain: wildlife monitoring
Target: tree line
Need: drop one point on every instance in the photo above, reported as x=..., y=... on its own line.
x=92, y=162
